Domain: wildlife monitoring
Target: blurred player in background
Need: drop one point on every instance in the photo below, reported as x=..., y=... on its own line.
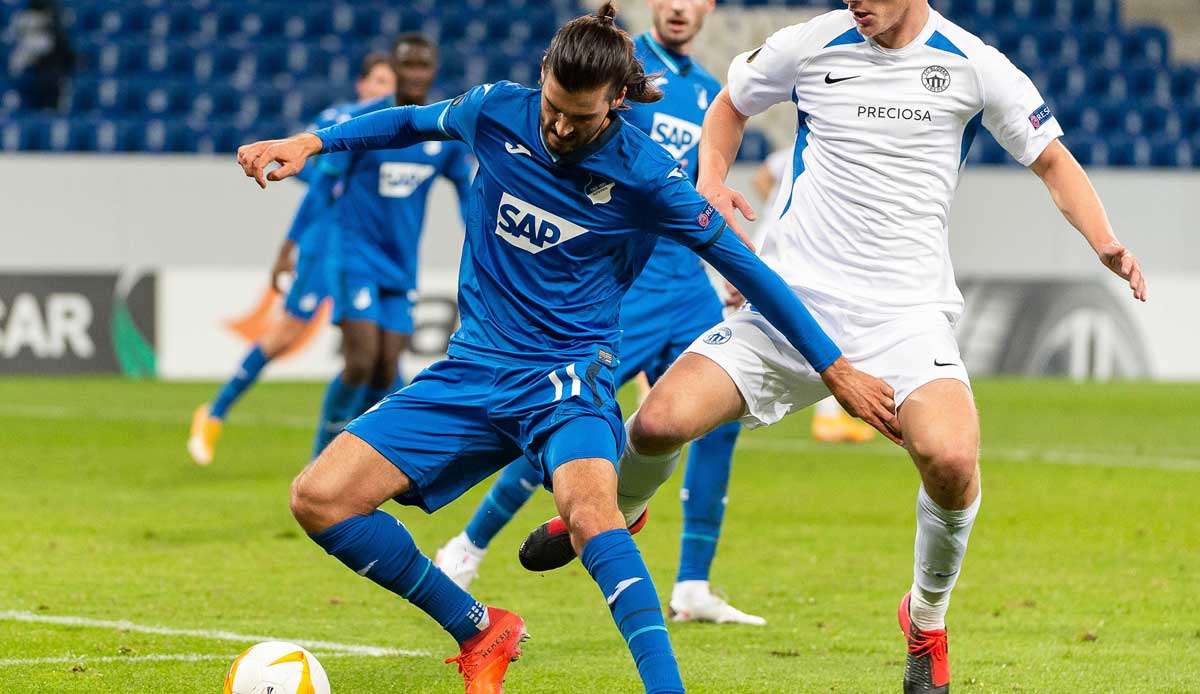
x=669, y=304
x=890, y=95
x=830, y=422
x=309, y=236
x=380, y=216
x=564, y=213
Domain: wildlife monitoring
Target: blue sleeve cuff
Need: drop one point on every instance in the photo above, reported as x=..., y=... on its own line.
x=773, y=298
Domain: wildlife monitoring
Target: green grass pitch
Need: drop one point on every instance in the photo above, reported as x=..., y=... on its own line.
x=1082, y=574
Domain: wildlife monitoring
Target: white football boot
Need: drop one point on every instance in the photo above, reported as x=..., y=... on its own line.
x=460, y=559
x=694, y=601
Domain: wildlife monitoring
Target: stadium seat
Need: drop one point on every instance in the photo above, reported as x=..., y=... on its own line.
x=279, y=62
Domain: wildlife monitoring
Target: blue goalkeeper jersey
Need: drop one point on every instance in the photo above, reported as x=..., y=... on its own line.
x=381, y=210
x=553, y=243
x=673, y=122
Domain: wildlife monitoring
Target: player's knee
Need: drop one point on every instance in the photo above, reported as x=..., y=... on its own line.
x=586, y=521
x=315, y=508
x=360, y=366
x=657, y=429
x=946, y=464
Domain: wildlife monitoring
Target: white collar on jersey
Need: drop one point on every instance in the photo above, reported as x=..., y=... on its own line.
x=931, y=25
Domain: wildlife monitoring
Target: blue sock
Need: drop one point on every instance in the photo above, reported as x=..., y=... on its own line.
x=379, y=547
x=705, y=484
x=617, y=567
x=245, y=377
x=512, y=489
x=341, y=404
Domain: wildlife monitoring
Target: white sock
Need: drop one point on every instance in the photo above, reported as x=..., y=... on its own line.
x=829, y=407
x=689, y=589
x=937, y=558
x=640, y=476
x=471, y=547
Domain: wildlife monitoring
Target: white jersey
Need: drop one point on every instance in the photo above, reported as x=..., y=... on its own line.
x=882, y=136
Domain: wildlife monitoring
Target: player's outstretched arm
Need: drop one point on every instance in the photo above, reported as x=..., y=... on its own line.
x=390, y=128
x=720, y=139
x=1072, y=191
x=863, y=395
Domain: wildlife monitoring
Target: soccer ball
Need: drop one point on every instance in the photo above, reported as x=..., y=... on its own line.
x=276, y=667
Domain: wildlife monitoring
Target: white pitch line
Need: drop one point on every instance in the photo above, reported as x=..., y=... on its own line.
x=216, y=635
x=148, y=657
x=1051, y=456
x=88, y=660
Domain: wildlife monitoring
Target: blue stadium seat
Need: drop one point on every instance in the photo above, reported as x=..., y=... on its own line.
x=168, y=99
x=1185, y=84
x=1170, y=152
x=1146, y=43
x=170, y=59
x=1152, y=120
x=28, y=134
x=1189, y=120
x=167, y=136
x=1088, y=149
x=219, y=138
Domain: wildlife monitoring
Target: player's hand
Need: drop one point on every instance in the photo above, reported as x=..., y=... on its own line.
x=284, y=264
x=290, y=154
x=864, y=396
x=1125, y=265
x=733, y=296
x=726, y=200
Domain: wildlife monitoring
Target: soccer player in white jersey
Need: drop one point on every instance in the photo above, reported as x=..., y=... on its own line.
x=830, y=423
x=889, y=95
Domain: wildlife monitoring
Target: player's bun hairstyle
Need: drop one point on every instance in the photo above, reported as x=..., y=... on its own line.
x=592, y=51
x=372, y=61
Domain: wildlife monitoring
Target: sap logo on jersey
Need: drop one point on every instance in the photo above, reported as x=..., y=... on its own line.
x=399, y=179
x=676, y=135
x=531, y=228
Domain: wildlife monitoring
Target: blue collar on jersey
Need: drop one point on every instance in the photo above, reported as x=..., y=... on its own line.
x=578, y=155
x=676, y=62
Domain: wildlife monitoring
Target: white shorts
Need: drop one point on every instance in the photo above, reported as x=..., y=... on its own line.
x=907, y=351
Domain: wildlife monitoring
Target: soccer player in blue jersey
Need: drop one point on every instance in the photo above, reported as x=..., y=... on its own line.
x=308, y=238
x=380, y=216
x=565, y=211
x=668, y=306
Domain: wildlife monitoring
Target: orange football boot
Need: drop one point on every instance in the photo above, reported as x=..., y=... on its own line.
x=484, y=658
x=927, y=668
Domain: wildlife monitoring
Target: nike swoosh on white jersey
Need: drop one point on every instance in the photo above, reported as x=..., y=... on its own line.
x=621, y=589
x=363, y=571
x=516, y=149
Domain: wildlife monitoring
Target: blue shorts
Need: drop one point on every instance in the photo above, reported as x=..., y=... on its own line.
x=309, y=287
x=461, y=420
x=659, y=325
x=359, y=297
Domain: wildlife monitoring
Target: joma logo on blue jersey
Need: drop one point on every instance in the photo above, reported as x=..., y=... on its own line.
x=531, y=228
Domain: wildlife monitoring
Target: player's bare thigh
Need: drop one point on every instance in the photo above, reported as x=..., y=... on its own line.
x=348, y=479
x=585, y=492
x=941, y=432
x=692, y=398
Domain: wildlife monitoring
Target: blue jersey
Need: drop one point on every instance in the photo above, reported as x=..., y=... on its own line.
x=381, y=211
x=309, y=230
x=553, y=243
x=673, y=122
